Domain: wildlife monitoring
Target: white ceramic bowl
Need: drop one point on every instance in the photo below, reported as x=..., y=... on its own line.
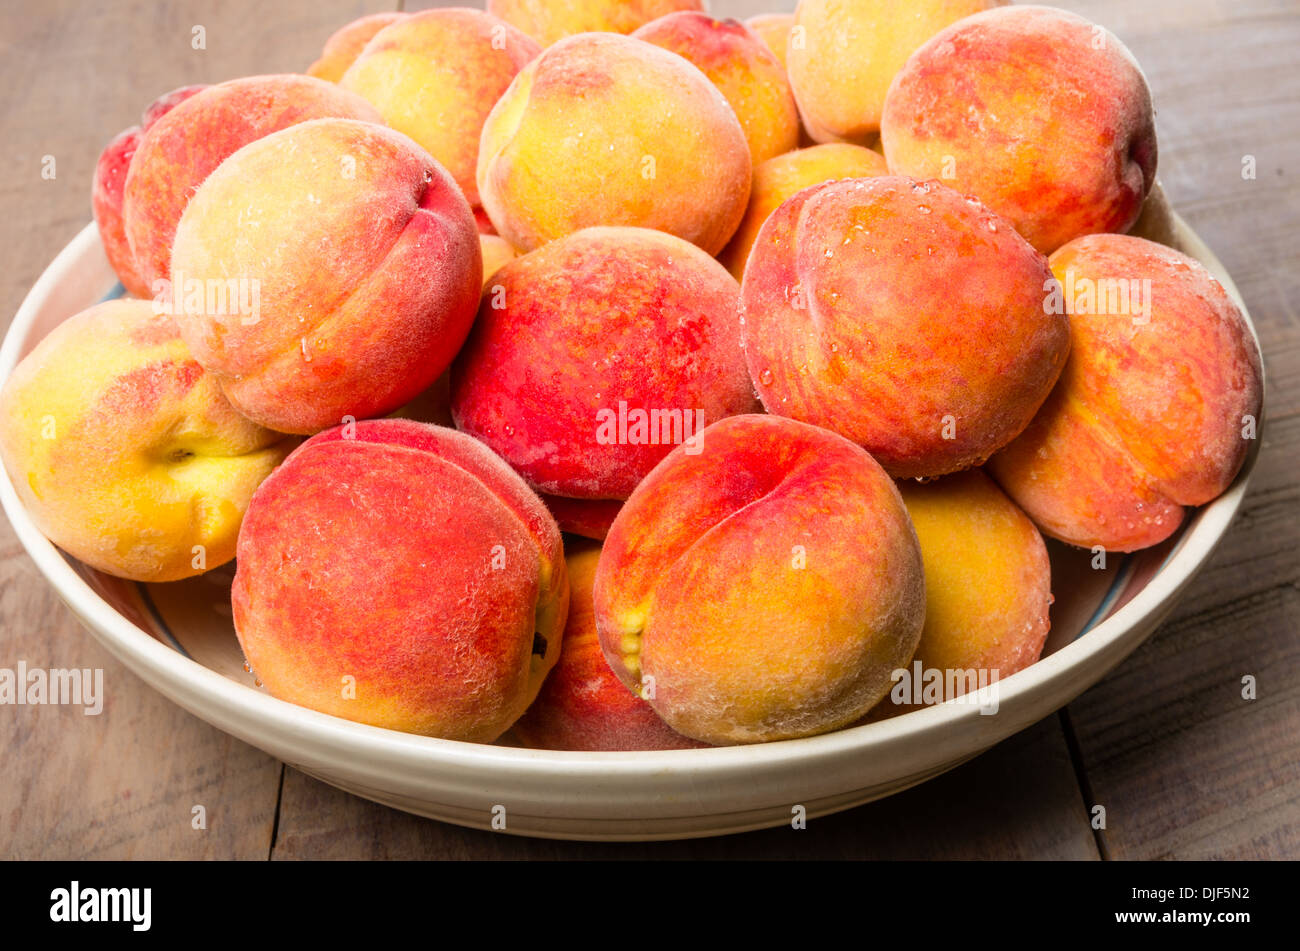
x=179, y=639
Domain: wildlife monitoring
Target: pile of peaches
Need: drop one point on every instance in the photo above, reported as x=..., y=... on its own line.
x=607, y=376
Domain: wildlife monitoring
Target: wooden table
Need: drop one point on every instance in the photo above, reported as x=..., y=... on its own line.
x=1184, y=766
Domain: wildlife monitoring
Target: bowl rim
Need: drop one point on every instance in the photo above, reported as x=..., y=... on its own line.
x=1205, y=527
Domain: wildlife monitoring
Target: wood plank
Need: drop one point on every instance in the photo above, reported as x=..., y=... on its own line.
x=1184, y=765
x=121, y=784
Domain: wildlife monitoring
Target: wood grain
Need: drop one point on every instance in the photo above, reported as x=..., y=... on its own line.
x=1183, y=765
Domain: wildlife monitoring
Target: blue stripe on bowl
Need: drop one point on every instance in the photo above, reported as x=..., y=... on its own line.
x=1112, y=595
x=158, y=621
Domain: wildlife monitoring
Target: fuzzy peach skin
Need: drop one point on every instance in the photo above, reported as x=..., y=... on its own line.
x=497, y=253
x=109, y=186
x=436, y=75
x=549, y=21
x=124, y=452
x=410, y=559
x=744, y=70
x=346, y=44
x=774, y=30
x=188, y=143
x=589, y=518
x=1155, y=409
x=764, y=589
x=582, y=705
x=367, y=262
x=1044, y=116
x=904, y=317
x=603, y=129
x=591, y=330
x=988, y=584
x=844, y=54
x=784, y=177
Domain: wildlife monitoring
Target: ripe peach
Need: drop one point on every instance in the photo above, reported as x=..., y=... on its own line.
x=124, y=452
x=849, y=51
x=582, y=705
x=603, y=129
x=589, y=518
x=1156, y=407
x=1044, y=116
x=593, y=355
x=785, y=176
x=436, y=75
x=549, y=21
x=744, y=70
x=364, y=260
x=399, y=574
x=904, y=317
x=497, y=253
x=774, y=30
x=187, y=144
x=346, y=44
x=764, y=589
x=988, y=584
x=110, y=184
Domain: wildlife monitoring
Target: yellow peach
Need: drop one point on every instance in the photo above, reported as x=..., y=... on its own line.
x=125, y=452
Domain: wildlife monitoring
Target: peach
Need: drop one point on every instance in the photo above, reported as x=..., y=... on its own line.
x=764, y=589
x=399, y=574
x=110, y=185
x=744, y=70
x=785, y=176
x=582, y=705
x=603, y=129
x=497, y=253
x=589, y=518
x=595, y=354
x=187, y=144
x=988, y=584
x=346, y=44
x=549, y=21
x=1157, y=405
x=483, y=221
x=124, y=452
x=904, y=317
x=360, y=257
x=436, y=75
x=774, y=30
x=845, y=54
x=1042, y=115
